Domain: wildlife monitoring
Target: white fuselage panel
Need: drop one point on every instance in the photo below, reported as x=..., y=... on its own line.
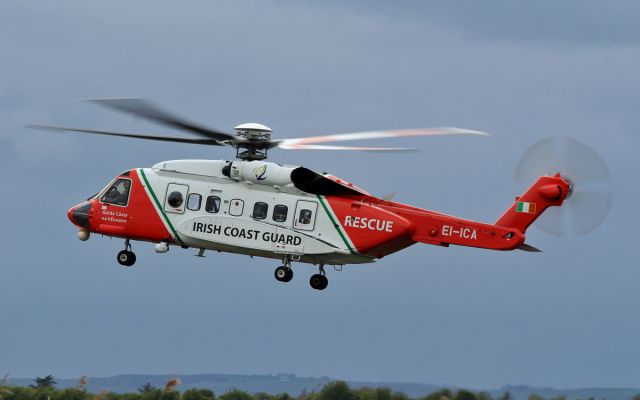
x=305, y=233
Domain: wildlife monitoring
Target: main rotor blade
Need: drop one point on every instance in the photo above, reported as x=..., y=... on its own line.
x=210, y=142
x=145, y=109
x=327, y=147
x=288, y=143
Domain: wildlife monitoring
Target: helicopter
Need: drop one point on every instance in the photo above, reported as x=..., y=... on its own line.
x=293, y=214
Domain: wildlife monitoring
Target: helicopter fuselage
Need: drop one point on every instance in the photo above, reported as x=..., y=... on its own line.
x=268, y=210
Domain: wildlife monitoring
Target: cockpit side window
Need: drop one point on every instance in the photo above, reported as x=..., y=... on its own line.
x=118, y=193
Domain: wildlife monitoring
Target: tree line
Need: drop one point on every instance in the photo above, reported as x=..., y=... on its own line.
x=44, y=389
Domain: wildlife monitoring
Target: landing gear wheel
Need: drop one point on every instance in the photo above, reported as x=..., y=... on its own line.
x=289, y=274
x=283, y=274
x=126, y=258
x=319, y=282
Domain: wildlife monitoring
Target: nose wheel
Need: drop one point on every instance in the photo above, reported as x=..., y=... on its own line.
x=126, y=257
x=319, y=281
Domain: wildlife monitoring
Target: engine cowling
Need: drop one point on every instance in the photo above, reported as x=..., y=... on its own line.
x=259, y=172
x=304, y=179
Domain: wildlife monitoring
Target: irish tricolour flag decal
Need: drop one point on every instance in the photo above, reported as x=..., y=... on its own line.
x=525, y=207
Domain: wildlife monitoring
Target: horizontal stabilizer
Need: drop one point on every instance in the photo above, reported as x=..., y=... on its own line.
x=529, y=248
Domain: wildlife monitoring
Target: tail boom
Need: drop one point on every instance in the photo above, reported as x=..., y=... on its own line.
x=445, y=230
x=508, y=232
x=437, y=229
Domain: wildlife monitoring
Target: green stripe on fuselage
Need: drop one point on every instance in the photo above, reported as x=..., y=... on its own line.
x=336, y=225
x=155, y=199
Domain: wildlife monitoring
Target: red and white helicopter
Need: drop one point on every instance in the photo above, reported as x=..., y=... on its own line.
x=291, y=213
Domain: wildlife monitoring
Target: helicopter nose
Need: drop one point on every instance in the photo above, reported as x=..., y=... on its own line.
x=79, y=215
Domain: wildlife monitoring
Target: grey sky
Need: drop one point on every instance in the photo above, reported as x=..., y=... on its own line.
x=522, y=71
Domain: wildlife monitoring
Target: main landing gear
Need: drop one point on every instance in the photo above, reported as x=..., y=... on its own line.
x=319, y=281
x=126, y=257
x=284, y=273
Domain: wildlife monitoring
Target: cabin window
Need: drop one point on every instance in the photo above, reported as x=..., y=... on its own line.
x=175, y=199
x=236, y=207
x=304, y=217
x=118, y=193
x=280, y=213
x=193, y=201
x=260, y=210
x=212, y=204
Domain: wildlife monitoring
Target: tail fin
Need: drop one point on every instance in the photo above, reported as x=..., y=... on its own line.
x=547, y=191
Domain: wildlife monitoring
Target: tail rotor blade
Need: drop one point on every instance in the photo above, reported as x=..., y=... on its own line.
x=553, y=222
x=588, y=209
x=590, y=200
x=542, y=158
x=583, y=164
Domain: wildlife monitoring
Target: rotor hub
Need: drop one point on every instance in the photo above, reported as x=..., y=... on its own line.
x=570, y=188
x=255, y=140
x=253, y=131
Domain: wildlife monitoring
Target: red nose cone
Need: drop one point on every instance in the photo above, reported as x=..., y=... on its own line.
x=70, y=215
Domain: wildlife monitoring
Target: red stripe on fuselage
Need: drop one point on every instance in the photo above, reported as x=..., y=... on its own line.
x=137, y=220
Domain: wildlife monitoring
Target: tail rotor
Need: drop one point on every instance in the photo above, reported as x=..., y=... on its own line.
x=591, y=195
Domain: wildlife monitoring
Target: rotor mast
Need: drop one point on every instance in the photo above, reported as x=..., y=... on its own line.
x=253, y=141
